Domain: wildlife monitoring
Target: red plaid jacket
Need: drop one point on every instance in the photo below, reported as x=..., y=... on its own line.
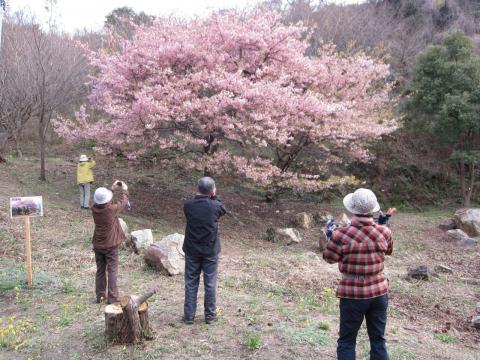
x=360, y=251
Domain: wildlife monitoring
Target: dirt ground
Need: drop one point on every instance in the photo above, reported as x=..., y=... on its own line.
x=276, y=301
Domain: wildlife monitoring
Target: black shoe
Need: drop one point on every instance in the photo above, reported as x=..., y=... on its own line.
x=211, y=320
x=187, y=321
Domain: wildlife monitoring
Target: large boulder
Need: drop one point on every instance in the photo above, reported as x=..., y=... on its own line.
x=469, y=221
x=167, y=254
x=461, y=236
x=448, y=224
x=292, y=235
x=142, y=238
x=303, y=220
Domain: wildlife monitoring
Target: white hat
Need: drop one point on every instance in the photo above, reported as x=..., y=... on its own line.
x=102, y=196
x=83, y=158
x=361, y=202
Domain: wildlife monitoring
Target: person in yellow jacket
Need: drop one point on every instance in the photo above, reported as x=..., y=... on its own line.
x=84, y=179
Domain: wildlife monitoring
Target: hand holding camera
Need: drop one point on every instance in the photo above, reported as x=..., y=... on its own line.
x=117, y=184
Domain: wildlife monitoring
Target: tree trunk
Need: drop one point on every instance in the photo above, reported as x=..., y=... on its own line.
x=42, y=138
x=128, y=321
x=18, y=148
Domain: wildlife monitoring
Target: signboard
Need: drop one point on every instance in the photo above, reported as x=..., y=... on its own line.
x=26, y=206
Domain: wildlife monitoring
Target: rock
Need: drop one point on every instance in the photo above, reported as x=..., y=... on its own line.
x=420, y=273
x=469, y=221
x=320, y=218
x=142, y=238
x=167, y=254
x=443, y=269
x=460, y=235
x=291, y=234
x=477, y=308
x=344, y=220
x=456, y=234
x=303, y=220
x=470, y=241
x=476, y=322
x=448, y=224
x=124, y=226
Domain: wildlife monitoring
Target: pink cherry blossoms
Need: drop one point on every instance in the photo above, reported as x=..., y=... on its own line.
x=235, y=92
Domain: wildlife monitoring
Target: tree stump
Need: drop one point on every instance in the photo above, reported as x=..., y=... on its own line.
x=127, y=322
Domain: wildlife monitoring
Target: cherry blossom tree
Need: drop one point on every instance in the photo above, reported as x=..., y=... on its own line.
x=231, y=93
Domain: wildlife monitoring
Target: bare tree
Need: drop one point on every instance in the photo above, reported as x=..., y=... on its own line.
x=43, y=74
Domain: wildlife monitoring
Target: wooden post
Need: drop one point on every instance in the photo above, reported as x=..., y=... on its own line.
x=28, y=251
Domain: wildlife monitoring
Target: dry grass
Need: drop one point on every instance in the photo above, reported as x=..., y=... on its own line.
x=274, y=299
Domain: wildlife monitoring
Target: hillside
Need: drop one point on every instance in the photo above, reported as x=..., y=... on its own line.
x=276, y=296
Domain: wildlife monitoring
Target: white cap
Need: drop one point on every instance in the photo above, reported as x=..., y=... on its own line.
x=83, y=158
x=102, y=196
x=361, y=202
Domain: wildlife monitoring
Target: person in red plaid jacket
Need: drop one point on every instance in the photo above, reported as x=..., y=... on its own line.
x=360, y=249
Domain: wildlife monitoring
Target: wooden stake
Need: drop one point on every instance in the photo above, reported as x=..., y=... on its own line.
x=28, y=251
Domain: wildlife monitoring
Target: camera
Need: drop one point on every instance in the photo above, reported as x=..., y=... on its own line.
x=119, y=183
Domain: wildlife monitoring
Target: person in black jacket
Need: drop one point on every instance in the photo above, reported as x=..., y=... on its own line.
x=202, y=247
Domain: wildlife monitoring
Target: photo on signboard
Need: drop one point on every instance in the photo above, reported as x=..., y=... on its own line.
x=26, y=206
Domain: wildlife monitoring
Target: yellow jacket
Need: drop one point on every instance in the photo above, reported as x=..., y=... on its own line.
x=84, y=171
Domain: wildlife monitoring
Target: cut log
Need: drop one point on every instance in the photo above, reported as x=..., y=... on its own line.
x=128, y=322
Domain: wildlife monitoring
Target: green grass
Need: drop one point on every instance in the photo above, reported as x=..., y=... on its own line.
x=400, y=353
x=323, y=326
x=446, y=338
x=67, y=286
x=253, y=341
x=311, y=334
x=66, y=319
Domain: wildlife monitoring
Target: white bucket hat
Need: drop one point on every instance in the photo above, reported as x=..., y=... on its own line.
x=102, y=196
x=361, y=202
x=83, y=158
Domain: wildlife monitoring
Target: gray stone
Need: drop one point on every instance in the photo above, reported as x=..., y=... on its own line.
x=142, y=238
x=290, y=234
x=460, y=235
x=448, y=224
x=476, y=322
x=477, y=308
x=303, y=220
x=420, y=273
x=167, y=254
x=469, y=221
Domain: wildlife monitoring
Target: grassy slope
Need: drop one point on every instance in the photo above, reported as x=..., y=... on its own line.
x=271, y=296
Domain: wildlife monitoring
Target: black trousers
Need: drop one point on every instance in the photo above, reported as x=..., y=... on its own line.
x=194, y=265
x=352, y=313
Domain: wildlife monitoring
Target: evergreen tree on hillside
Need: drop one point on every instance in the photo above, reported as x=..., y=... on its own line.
x=445, y=103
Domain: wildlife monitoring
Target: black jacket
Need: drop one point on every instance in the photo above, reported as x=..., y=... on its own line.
x=201, y=234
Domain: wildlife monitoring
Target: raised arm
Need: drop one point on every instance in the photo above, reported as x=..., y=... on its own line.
x=333, y=250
